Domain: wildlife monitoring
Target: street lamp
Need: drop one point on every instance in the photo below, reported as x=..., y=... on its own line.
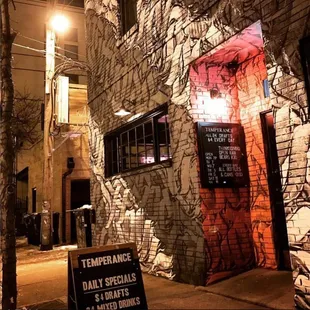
x=57, y=23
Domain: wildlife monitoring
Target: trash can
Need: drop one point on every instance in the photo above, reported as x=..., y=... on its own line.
x=55, y=227
x=83, y=220
x=33, y=223
x=33, y=228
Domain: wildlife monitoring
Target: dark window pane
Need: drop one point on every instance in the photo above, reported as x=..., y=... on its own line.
x=124, y=138
x=162, y=137
x=140, y=133
x=128, y=12
x=71, y=51
x=132, y=135
x=305, y=61
x=114, y=167
x=73, y=78
x=77, y=3
x=148, y=129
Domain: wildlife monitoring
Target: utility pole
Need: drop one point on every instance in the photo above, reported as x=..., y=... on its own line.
x=48, y=140
x=58, y=23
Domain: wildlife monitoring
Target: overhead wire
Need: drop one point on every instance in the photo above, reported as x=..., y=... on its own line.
x=57, y=47
x=68, y=64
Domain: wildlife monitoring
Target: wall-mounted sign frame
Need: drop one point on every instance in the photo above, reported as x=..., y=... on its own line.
x=222, y=155
x=107, y=277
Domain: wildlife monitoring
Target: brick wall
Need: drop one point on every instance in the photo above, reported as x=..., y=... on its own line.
x=157, y=53
x=64, y=148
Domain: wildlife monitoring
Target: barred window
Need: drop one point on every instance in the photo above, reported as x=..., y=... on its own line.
x=143, y=142
x=128, y=14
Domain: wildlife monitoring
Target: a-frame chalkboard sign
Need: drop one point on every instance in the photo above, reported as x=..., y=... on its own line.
x=107, y=277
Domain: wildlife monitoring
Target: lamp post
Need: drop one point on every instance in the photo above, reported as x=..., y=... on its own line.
x=58, y=23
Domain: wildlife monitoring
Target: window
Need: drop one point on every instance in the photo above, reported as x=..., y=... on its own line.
x=77, y=3
x=305, y=61
x=71, y=51
x=71, y=35
x=73, y=78
x=143, y=142
x=128, y=13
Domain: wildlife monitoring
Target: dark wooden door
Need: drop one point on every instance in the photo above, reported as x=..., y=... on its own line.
x=275, y=191
x=34, y=200
x=80, y=195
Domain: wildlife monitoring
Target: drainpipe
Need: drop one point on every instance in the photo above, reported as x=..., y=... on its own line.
x=70, y=166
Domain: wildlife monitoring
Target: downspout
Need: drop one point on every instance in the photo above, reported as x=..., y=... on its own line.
x=63, y=208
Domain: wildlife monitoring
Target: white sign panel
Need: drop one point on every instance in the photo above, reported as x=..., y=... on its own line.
x=62, y=99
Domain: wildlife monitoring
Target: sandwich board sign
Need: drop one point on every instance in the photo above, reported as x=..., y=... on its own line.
x=107, y=277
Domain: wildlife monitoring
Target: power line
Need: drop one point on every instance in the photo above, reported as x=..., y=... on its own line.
x=57, y=55
x=57, y=47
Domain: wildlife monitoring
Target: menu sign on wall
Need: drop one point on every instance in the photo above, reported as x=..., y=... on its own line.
x=222, y=155
x=106, y=278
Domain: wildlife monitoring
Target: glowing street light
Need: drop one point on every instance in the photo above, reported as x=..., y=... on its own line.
x=60, y=23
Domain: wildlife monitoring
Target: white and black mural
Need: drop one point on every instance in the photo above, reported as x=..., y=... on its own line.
x=178, y=226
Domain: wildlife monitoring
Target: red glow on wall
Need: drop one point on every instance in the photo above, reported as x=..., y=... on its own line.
x=233, y=223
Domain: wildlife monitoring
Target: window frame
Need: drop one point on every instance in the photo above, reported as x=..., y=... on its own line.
x=114, y=136
x=304, y=45
x=123, y=12
x=68, y=52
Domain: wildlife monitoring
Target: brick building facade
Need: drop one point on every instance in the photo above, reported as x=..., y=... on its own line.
x=224, y=62
x=28, y=69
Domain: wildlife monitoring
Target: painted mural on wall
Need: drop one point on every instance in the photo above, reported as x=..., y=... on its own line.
x=171, y=34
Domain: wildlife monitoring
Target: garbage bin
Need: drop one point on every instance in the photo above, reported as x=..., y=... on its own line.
x=33, y=228
x=33, y=223
x=83, y=220
x=55, y=227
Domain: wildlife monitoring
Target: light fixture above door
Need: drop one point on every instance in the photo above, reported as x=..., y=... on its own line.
x=123, y=111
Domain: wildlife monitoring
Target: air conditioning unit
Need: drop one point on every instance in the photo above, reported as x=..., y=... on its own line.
x=62, y=100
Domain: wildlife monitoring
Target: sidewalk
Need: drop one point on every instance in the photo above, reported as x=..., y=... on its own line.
x=42, y=284
x=256, y=289
x=269, y=288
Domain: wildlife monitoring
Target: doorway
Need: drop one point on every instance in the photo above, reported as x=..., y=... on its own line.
x=80, y=195
x=280, y=237
x=34, y=199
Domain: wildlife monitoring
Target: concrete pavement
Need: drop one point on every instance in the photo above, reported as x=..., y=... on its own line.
x=257, y=289
x=265, y=287
x=47, y=281
x=42, y=284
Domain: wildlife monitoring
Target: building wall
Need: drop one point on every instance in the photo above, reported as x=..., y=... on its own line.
x=169, y=36
x=28, y=48
x=29, y=81
x=76, y=147
x=237, y=225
